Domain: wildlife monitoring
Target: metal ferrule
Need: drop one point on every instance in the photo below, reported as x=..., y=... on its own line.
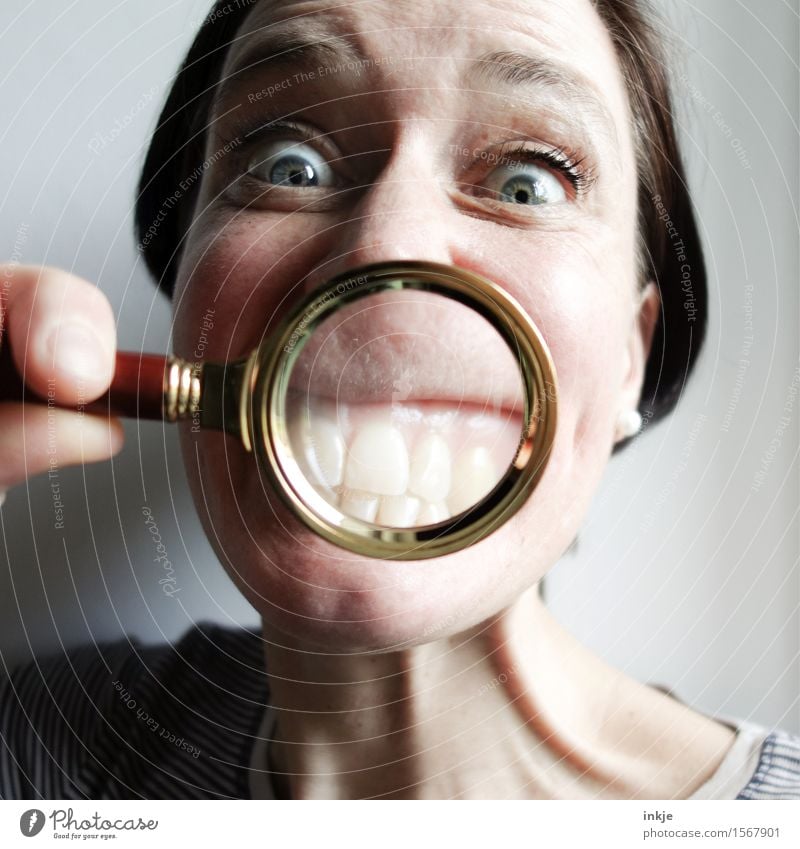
x=182, y=389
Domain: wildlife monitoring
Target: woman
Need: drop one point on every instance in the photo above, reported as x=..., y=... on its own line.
x=531, y=143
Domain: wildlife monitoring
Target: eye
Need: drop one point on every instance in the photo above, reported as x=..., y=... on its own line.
x=290, y=165
x=525, y=183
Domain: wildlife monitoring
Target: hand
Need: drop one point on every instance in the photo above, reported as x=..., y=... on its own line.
x=62, y=337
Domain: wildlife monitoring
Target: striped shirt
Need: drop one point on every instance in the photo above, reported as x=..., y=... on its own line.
x=191, y=720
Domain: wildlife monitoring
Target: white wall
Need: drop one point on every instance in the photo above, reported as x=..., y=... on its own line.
x=686, y=571
x=684, y=574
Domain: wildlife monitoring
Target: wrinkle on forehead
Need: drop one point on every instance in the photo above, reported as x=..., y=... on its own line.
x=566, y=36
x=569, y=30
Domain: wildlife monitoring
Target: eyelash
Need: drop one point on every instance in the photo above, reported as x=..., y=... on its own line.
x=248, y=134
x=574, y=169
x=258, y=131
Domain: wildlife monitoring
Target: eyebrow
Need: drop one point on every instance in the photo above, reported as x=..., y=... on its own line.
x=287, y=43
x=514, y=69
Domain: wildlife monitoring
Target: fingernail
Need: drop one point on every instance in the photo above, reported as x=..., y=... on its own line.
x=76, y=349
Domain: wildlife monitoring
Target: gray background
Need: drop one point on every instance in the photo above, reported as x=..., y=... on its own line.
x=686, y=572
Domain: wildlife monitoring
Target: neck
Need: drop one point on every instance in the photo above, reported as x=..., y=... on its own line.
x=512, y=708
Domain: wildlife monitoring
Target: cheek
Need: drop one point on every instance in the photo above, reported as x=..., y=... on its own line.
x=586, y=333
x=580, y=300
x=240, y=266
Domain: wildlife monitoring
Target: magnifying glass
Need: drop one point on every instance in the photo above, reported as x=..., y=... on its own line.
x=403, y=410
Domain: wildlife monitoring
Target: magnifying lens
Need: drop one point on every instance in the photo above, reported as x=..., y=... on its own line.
x=402, y=410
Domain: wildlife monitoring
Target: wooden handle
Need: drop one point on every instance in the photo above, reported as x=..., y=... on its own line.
x=136, y=391
x=137, y=388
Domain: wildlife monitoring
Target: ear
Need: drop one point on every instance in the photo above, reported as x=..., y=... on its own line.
x=647, y=306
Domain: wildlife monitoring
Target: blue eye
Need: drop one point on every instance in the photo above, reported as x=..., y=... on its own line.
x=293, y=170
x=526, y=184
x=291, y=165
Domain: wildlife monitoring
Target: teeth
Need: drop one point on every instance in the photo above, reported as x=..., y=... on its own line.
x=301, y=445
x=474, y=475
x=398, y=511
x=430, y=468
x=430, y=514
x=330, y=495
x=378, y=460
x=358, y=459
x=327, y=451
x=360, y=505
x=320, y=449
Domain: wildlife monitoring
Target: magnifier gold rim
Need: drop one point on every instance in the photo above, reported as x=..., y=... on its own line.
x=272, y=366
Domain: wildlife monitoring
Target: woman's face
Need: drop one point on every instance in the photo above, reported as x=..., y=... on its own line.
x=409, y=120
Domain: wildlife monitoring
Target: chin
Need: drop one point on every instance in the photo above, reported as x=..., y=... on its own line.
x=316, y=596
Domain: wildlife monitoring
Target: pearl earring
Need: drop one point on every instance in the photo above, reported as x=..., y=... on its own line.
x=629, y=423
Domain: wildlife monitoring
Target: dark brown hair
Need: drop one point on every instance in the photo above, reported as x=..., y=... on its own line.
x=670, y=252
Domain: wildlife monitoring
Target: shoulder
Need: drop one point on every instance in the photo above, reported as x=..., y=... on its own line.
x=777, y=774
x=120, y=720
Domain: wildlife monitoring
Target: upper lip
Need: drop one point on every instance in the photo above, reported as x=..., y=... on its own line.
x=406, y=349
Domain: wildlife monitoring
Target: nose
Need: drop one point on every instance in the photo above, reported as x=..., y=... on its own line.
x=404, y=214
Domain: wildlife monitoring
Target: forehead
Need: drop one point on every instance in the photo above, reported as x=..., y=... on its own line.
x=443, y=23
x=566, y=39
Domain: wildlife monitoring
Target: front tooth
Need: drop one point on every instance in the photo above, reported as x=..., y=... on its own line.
x=433, y=513
x=378, y=460
x=360, y=505
x=398, y=511
x=430, y=468
x=474, y=475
